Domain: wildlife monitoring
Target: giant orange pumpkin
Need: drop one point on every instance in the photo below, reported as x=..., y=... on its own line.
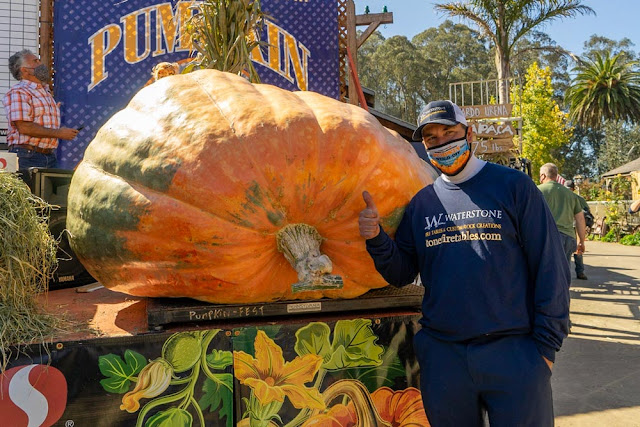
x=210, y=187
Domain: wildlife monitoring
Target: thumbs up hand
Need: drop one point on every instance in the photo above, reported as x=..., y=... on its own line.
x=369, y=220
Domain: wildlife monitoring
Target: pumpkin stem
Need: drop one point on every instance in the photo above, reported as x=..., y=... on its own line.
x=300, y=244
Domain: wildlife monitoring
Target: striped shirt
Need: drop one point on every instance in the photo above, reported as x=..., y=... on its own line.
x=31, y=102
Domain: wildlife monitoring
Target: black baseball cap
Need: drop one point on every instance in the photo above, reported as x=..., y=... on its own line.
x=442, y=112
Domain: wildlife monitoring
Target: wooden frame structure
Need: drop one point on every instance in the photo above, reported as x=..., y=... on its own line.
x=348, y=38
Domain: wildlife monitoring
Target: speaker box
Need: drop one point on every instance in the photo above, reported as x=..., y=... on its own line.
x=52, y=186
x=70, y=272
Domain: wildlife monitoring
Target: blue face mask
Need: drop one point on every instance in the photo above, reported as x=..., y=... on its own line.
x=450, y=157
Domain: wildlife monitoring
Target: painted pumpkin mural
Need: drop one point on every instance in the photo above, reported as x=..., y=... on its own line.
x=210, y=187
x=328, y=376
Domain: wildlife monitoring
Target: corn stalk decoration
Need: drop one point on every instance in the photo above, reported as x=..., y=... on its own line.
x=223, y=33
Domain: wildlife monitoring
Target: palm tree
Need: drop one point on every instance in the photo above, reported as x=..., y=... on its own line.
x=507, y=21
x=605, y=88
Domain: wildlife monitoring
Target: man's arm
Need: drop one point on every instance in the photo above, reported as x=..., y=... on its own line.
x=395, y=260
x=547, y=269
x=581, y=229
x=38, y=131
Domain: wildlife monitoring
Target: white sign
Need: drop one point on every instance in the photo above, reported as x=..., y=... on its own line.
x=304, y=307
x=487, y=111
x=491, y=146
x=493, y=130
x=8, y=162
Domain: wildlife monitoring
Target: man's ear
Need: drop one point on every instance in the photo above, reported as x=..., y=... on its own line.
x=469, y=134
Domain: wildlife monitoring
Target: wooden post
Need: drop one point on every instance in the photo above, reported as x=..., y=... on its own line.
x=352, y=44
x=46, y=24
x=373, y=20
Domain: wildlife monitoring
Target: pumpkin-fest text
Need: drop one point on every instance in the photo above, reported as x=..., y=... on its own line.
x=284, y=51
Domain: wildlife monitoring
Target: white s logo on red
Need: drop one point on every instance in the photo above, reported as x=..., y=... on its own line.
x=32, y=396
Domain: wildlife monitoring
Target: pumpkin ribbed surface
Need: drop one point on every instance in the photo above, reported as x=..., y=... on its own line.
x=183, y=193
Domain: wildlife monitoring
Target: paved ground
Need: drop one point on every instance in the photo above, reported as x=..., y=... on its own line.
x=596, y=380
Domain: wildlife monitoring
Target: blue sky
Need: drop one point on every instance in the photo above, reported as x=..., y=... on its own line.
x=614, y=19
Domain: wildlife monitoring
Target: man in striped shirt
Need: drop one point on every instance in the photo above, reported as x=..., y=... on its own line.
x=33, y=115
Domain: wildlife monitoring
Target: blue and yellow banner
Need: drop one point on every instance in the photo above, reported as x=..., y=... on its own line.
x=105, y=51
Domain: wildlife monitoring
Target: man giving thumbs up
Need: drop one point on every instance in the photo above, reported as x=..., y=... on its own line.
x=369, y=220
x=496, y=303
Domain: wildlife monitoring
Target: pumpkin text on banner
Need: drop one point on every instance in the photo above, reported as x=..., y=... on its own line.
x=105, y=52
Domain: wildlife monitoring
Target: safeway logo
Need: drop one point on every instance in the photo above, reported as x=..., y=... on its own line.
x=433, y=222
x=32, y=396
x=3, y=163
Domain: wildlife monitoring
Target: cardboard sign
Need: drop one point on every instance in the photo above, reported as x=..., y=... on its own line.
x=8, y=161
x=487, y=111
x=490, y=146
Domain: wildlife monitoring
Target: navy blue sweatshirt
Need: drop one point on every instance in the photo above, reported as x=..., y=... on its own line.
x=490, y=258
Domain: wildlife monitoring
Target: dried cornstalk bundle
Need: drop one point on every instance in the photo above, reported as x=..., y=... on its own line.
x=27, y=260
x=223, y=33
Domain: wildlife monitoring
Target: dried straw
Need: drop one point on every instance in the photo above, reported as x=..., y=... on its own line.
x=27, y=260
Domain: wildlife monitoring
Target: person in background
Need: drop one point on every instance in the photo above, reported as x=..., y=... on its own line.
x=578, y=258
x=33, y=115
x=565, y=208
x=496, y=304
x=162, y=70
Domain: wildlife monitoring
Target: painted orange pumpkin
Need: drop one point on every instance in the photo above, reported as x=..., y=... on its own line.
x=401, y=408
x=210, y=187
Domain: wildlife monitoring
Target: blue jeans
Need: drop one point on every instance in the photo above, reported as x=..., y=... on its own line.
x=579, y=263
x=569, y=244
x=32, y=159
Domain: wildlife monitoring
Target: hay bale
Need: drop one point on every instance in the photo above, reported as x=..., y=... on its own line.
x=27, y=260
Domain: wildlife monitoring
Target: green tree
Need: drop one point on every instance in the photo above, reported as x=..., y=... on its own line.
x=605, y=46
x=406, y=75
x=400, y=78
x=620, y=145
x=606, y=88
x=506, y=22
x=545, y=128
x=539, y=47
x=585, y=154
x=368, y=71
x=459, y=54
x=580, y=154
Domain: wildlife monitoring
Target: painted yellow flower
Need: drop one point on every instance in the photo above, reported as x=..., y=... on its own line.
x=152, y=381
x=271, y=378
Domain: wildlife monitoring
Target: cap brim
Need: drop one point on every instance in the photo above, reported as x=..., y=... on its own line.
x=417, y=134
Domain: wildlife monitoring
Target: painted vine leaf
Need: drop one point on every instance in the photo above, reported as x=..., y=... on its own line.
x=119, y=372
x=374, y=377
x=172, y=417
x=219, y=395
x=219, y=359
x=353, y=345
x=314, y=339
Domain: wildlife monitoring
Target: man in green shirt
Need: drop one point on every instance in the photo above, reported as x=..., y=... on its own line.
x=565, y=208
x=585, y=208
